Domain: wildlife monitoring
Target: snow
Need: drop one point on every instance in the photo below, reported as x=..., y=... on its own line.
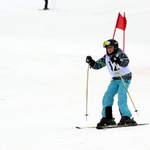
x=43, y=74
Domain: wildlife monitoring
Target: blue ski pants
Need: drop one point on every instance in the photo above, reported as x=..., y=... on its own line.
x=117, y=87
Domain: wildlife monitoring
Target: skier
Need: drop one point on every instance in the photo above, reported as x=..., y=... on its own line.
x=115, y=60
x=46, y=5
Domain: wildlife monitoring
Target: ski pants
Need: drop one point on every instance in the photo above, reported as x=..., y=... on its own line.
x=117, y=87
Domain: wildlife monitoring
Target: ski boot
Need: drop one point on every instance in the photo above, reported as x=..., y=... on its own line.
x=125, y=120
x=105, y=122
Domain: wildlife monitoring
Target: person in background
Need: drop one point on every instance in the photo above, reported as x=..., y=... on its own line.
x=46, y=5
x=115, y=60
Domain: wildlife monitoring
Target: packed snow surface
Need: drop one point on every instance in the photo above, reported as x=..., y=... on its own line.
x=43, y=74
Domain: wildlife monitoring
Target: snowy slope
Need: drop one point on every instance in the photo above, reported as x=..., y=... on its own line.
x=43, y=74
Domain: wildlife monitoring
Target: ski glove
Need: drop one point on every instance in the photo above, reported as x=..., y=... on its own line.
x=115, y=59
x=90, y=61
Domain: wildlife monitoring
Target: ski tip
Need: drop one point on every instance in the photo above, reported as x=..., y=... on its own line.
x=143, y=124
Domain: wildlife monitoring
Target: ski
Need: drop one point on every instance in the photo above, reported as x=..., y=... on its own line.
x=121, y=126
x=112, y=126
x=85, y=127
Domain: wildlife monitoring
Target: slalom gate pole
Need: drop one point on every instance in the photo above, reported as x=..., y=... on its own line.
x=87, y=82
x=126, y=88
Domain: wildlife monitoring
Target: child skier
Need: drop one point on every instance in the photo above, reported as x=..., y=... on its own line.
x=114, y=56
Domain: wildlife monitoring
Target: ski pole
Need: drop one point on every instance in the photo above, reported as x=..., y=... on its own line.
x=87, y=82
x=126, y=88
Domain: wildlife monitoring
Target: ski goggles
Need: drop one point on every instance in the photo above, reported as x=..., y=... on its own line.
x=106, y=43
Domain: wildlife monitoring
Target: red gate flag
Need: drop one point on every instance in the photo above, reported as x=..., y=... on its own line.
x=121, y=22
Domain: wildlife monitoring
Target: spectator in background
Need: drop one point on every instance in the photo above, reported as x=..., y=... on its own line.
x=46, y=5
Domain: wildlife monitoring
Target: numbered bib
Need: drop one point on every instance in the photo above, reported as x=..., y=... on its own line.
x=113, y=70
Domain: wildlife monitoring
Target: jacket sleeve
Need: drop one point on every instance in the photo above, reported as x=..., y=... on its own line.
x=100, y=63
x=124, y=60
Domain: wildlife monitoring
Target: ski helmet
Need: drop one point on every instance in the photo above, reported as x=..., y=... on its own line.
x=111, y=42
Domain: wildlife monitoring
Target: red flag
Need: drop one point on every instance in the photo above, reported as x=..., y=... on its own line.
x=121, y=22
